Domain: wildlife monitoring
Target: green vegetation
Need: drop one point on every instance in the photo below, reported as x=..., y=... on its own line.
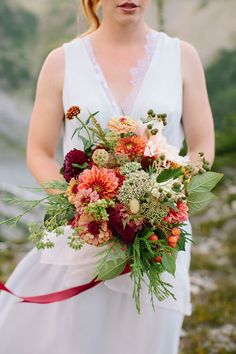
x=211, y=327
x=221, y=78
x=18, y=32
x=27, y=38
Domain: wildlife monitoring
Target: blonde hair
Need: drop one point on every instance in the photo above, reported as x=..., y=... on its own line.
x=90, y=8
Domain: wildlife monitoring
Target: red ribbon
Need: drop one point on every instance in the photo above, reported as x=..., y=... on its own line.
x=59, y=295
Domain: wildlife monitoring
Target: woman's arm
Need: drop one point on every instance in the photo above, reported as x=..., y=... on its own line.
x=46, y=120
x=197, y=115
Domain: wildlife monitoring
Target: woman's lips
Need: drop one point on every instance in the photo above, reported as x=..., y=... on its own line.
x=128, y=7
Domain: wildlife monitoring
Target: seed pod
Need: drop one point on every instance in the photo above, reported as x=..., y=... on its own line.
x=100, y=157
x=154, y=131
x=134, y=206
x=162, y=157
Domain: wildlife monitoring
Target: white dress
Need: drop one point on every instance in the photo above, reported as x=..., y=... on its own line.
x=101, y=320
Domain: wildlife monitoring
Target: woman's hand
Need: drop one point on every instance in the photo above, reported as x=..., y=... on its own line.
x=197, y=115
x=46, y=120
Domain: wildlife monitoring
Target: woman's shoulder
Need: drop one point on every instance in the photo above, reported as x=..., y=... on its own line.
x=53, y=67
x=56, y=57
x=188, y=50
x=191, y=63
x=186, y=47
x=54, y=63
x=190, y=57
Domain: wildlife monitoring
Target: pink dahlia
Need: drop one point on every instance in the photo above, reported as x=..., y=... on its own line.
x=177, y=216
x=101, y=180
x=73, y=158
x=124, y=124
x=83, y=198
x=93, y=232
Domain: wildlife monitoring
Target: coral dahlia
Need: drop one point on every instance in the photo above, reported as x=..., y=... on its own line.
x=179, y=216
x=101, y=180
x=131, y=146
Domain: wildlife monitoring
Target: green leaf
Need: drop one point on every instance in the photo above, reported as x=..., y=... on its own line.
x=181, y=243
x=168, y=174
x=197, y=201
x=168, y=262
x=111, y=268
x=54, y=184
x=93, y=114
x=76, y=130
x=147, y=233
x=204, y=182
x=84, y=140
x=172, y=206
x=82, y=167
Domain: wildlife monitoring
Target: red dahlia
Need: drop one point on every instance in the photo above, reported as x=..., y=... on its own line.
x=115, y=223
x=74, y=157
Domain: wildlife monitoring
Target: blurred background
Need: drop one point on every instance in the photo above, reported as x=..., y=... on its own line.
x=28, y=32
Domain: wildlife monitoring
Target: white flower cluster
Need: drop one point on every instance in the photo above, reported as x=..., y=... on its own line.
x=153, y=210
x=172, y=190
x=136, y=186
x=130, y=167
x=158, y=145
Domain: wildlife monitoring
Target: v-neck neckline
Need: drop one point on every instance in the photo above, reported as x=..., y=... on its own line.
x=117, y=108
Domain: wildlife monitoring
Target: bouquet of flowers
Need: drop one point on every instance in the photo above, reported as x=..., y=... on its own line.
x=129, y=193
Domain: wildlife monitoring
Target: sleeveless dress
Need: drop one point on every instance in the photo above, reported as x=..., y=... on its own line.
x=101, y=320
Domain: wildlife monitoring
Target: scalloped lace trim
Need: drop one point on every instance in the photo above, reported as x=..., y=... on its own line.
x=137, y=73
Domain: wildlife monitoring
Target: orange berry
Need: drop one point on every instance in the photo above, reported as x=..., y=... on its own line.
x=172, y=244
x=153, y=238
x=176, y=231
x=158, y=259
x=172, y=239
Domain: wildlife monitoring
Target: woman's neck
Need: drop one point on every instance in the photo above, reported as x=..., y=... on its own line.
x=117, y=34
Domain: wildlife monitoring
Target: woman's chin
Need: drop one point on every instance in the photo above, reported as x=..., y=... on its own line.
x=127, y=19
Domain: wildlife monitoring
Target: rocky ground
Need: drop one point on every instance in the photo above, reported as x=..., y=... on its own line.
x=212, y=327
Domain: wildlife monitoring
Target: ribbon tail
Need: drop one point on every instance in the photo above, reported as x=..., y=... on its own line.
x=59, y=295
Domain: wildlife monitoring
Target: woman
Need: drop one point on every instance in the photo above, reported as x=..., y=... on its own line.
x=120, y=66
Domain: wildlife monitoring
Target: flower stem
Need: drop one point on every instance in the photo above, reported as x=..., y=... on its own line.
x=86, y=128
